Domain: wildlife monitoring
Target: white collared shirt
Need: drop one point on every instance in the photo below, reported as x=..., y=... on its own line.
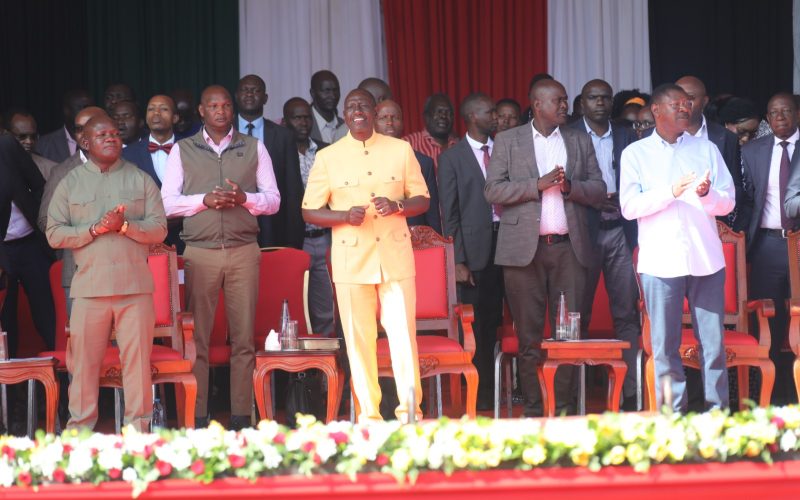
x=771, y=216
x=327, y=129
x=478, y=152
x=677, y=236
x=18, y=225
x=550, y=151
x=604, y=150
x=702, y=132
x=160, y=157
x=72, y=145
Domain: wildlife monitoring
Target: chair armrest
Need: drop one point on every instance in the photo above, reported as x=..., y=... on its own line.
x=467, y=315
x=764, y=309
x=187, y=330
x=793, y=306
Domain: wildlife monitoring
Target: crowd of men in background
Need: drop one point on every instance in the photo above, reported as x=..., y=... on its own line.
x=531, y=197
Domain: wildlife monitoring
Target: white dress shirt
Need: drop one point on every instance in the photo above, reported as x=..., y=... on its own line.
x=327, y=129
x=677, y=236
x=702, y=132
x=478, y=152
x=604, y=150
x=266, y=201
x=550, y=151
x=771, y=216
x=18, y=225
x=160, y=157
x=71, y=144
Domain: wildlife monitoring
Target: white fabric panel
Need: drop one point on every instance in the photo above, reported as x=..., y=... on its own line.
x=606, y=39
x=796, y=36
x=286, y=41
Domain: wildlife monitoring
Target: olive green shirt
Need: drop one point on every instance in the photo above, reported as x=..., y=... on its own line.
x=111, y=264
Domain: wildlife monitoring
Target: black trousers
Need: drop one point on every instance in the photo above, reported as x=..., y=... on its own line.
x=28, y=264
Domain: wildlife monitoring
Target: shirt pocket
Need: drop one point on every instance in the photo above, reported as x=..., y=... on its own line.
x=393, y=186
x=83, y=207
x=347, y=192
x=134, y=203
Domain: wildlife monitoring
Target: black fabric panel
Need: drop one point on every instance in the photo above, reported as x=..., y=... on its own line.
x=43, y=54
x=742, y=47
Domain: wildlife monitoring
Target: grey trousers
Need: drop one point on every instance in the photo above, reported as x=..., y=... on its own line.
x=320, y=291
x=664, y=301
x=614, y=258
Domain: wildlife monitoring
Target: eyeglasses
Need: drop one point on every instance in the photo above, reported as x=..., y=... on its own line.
x=643, y=125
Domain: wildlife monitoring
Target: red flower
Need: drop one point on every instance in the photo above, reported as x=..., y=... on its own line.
x=236, y=461
x=198, y=467
x=773, y=447
x=148, y=451
x=114, y=473
x=365, y=434
x=164, y=468
x=308, y=447
x=317, y=459
x=59, y=475
x=279, y=438
x=382, y=459
x=67, y=449
x=9, y=452
x=24, y=478
x=778, y=421
x=339, y=437
x=118, y=445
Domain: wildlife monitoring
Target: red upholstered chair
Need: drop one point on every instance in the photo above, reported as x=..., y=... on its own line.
x=742, y=349
x=171, y=362
x=438, y=311
x=793, y=339
x=283, y=274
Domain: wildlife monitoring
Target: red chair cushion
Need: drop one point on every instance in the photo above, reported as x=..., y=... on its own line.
x=219, y=355
x=731, y=338
x=426, y=344
x=111, y=358
x=431, y=282
x=510, y=345
x=162, y=301
x=281, y=274
x=731, y=283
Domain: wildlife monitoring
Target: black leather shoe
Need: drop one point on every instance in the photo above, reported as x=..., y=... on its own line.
x=629, y=404
x=201, y=422
x=239, y=422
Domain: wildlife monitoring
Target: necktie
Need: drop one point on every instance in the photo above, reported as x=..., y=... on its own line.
x=250, y=128
x=152, y=147
x=498, y=209
x=783, y=181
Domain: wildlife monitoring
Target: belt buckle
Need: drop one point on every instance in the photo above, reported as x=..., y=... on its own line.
x=784, y=233
x=548, y=238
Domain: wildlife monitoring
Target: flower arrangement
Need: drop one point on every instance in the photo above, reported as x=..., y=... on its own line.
x=404, y=451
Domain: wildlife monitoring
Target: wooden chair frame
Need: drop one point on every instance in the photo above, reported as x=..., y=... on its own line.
x=793, y=304
x=740, y=356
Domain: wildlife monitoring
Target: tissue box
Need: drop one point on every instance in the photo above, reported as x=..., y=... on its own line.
x=319, y=344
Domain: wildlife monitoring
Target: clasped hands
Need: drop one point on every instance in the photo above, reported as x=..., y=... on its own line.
x=553, y=178
x=683, y=184
x=221, y=198
x=383, y=206
x=110, y=222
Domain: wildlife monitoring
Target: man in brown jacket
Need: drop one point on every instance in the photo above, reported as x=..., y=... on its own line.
x=108, y=212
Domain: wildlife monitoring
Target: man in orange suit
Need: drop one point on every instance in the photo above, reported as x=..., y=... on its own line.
x=363, y=187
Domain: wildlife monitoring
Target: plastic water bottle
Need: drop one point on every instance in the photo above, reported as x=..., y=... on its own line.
x=159, y=420
x=562, y=321
x=284, y=318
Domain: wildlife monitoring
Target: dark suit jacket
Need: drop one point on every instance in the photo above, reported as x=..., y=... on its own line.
x=286, y=227
x=138, y=154
x=432, y=217
x=22, y=183
x=756, y=159
x=621, y=137
x=467, y=216
x=53, y=146
x=512, y=182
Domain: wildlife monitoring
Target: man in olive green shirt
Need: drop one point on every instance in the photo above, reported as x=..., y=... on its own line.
x=108, y=212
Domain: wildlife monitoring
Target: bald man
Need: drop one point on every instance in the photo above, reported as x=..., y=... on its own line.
x=108, y=212
x=725, y=140
x=56, y=174
x=543, y=243
x=219, y=180
x=378, y=88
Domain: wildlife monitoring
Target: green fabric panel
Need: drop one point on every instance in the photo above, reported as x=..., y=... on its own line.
x=159, y=45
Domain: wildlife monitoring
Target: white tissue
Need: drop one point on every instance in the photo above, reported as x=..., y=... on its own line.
x=272, y=343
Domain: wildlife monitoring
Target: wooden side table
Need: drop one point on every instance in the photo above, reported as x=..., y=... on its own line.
x=582, y=352
x=14, y=371
x=297, y=361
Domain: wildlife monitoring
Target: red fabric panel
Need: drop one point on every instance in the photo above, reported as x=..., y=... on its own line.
x=731, y=283
x=510, y=345
x=731, y=338
x=462, y=46
x=280, y=277
x=601, y=325
x=159, y=268
x=219, y=355
x=219, y=332
x=426, y=344
x=431, y=282
x=60, y=301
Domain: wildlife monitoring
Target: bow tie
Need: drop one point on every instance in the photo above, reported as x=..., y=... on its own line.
x=152, y=147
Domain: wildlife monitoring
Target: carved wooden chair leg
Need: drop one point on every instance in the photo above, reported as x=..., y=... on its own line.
x=743, y=379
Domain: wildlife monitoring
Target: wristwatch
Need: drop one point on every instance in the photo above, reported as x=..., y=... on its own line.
x=124, y=228
x=400, y=207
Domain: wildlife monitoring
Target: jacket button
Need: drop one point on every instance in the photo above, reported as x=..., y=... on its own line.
x=378, y=238
x=374, y=216
x=366, y=152
x=369, y=173
x=342, y=242
x=372, y=194
x=346, y=183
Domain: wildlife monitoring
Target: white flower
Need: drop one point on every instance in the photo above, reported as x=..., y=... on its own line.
x=80, y=461
x=110, y=458
x=788, y=441
x=272, y=457
x=129, y=475
x=46, y=458
x=436, y=455
x=401, y=459
x=176, y=453
x=6, y=473
x=326, y=448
